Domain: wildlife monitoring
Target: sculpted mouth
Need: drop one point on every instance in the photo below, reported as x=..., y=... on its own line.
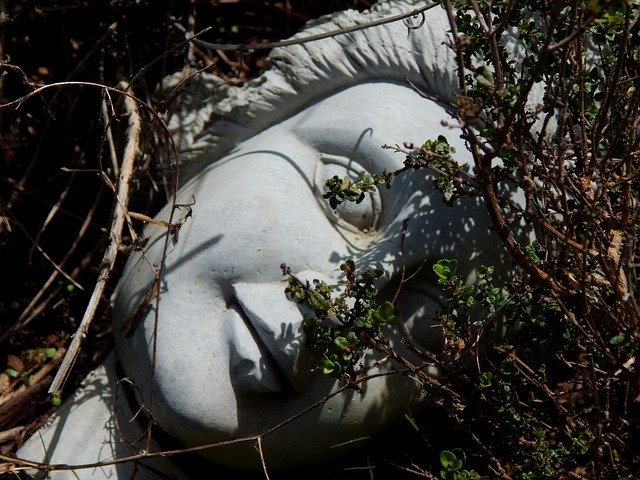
x=265, y=337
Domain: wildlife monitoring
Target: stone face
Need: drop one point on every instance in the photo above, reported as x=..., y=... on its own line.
x=221, y=355
x=226, y=338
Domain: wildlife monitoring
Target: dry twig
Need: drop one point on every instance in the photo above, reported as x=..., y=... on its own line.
x=115, y=235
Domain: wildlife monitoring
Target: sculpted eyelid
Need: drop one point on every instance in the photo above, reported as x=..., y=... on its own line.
x=342, y=161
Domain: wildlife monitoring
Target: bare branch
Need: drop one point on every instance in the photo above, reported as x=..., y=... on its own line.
x=115, y=234
x=243, y=47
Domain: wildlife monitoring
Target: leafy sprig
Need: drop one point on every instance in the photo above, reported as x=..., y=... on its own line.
x=347, y=318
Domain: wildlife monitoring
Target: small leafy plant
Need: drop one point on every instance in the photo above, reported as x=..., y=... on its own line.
x=452, y=462
x=434, y=155
x=346, y=321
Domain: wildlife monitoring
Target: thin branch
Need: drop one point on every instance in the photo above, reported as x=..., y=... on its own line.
x=7, y=435
x=35, y=310
x=168, y=453
x=41, y=88
x=27, y=314
x=573, y=35
x=57, y=271
x=457, y=42
x=243, y=47
x=109, y=133
x=56, y=266
x=483, y=172
x=262, y=461
x=531, y=376
x=109, y=258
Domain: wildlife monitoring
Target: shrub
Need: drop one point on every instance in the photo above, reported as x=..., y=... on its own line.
x=557, y=396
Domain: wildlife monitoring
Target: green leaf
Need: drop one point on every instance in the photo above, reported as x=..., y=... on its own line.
x=445, y=268
x=316, y=300
x=50, y=352
x=348, y=266
x=485, y=379
x=12, y=373
x=448, y=459
x=617, y=340
x=460, y=455
x=388, y=313
x=56, y=399
x=342, y=343
x=328, y=367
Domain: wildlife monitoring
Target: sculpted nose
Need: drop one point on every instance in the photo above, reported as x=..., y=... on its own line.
x=277, y=322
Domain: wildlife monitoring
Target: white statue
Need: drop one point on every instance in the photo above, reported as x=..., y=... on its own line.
x=221, y=356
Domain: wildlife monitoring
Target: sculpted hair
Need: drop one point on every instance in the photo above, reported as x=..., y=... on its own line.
x=211, y=117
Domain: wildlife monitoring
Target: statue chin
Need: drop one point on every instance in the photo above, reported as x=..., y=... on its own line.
x=221, y=355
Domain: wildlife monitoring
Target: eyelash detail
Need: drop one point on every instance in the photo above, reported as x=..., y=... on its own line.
x=358, y=217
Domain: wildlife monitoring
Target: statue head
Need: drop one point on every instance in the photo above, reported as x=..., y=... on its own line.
x=220, y=354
